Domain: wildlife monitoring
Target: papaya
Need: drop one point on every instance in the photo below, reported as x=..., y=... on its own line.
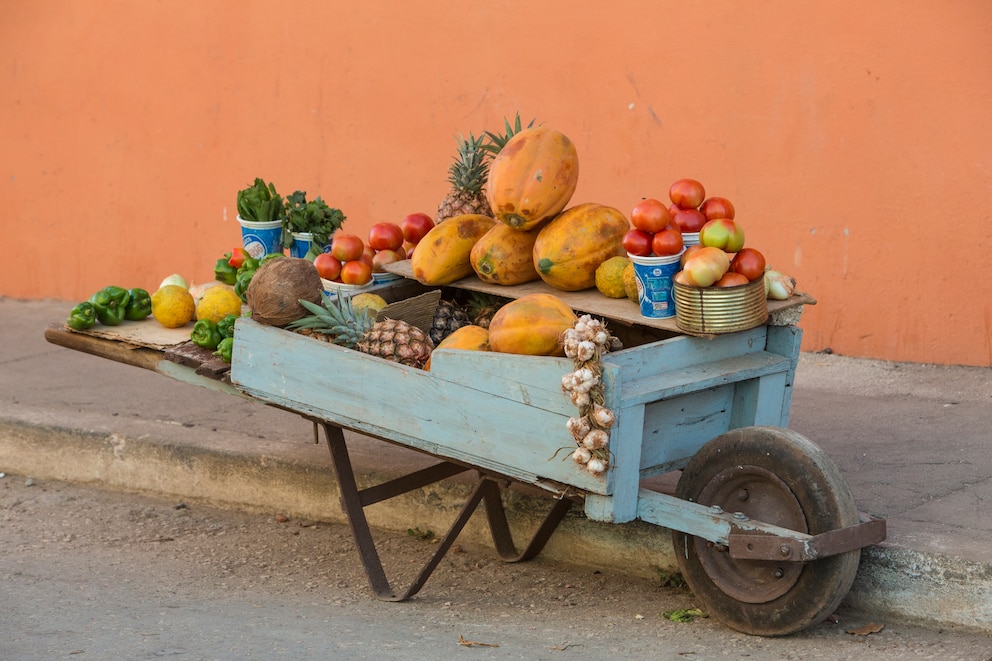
x=442, y=256
x=504, y=256
x=533, y=177
x=570, y=248
x=466, y=338
x=531, y=325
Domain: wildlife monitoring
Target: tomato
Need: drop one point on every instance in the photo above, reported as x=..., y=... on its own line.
x=385, y=236
x=731, y=279
x=690, y=220
x=717, y=207
x=687, y=193
x=416, y=226
x=688, y=253
x=328, y=266
x=750, y=263
x=722, y=233
x=355, y=272
x=386, y=257
x=637, y=242
x=346, y=247
x=667, y=242
x=705, y=266
x=650, y=215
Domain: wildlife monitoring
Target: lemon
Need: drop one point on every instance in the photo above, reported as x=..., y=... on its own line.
x=630, y=283
x=366, y=300
x=172, y=306
x=609, y=277
x=218, y=302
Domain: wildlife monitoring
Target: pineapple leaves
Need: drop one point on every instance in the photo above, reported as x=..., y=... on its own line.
x=496, y=141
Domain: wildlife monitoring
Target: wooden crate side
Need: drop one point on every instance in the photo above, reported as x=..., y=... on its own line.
x=683, y=352
x=675, y=429
x=405, y=405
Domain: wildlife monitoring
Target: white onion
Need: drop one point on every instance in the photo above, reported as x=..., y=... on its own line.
x=779, y=286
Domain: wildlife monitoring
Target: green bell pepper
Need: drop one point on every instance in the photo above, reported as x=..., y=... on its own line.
x=82, y=316
x=224, y=272
x=225, y=348
x=241, y=284
x=110, y=304
x=205, y=334
x=226, y=325
x=270, y=256
x=139, y=304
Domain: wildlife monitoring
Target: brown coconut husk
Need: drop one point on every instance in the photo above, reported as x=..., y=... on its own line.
x=275, y=290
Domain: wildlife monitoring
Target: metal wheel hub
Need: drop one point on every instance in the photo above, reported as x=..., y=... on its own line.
x=758, y=494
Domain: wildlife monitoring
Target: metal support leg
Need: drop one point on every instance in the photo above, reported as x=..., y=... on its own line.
x=354, y=500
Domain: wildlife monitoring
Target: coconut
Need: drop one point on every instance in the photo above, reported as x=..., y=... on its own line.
x=277, y=287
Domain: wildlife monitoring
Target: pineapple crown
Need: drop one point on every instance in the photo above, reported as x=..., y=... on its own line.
x=496, y=141
x=470, y=169
x=338, y=318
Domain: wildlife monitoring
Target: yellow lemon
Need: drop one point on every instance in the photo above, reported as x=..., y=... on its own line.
x=609, y=277
x=630, y=283
x=218, y=302
x=172, y=306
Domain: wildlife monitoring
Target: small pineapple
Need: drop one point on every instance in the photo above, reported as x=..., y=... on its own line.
x=482, y=308
x=448, y=317
x=497, y=140
x=468, y=175
x=390, y=339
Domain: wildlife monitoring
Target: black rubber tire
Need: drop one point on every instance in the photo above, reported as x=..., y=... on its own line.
x=825, y=501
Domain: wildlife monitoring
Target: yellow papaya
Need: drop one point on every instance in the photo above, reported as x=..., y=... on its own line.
x=533, y=177
x=504, y=256
x=531, y=325
x=466, y=338
x=570, y=248
x=442, y=256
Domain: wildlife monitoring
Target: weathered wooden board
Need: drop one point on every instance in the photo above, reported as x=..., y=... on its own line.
x=620, y=310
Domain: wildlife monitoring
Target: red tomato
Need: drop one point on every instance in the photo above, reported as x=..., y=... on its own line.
x=637, y=242
x=355, y=272
x=346, y=247
x=690, y=220
x=687, y=193
x=667, y=242
x=731, y=279
x=328, y=266
x=750, y=263
x=385, y=236
x=386, y=257
x=650, y=215
x=717, y=207
x=416, y=226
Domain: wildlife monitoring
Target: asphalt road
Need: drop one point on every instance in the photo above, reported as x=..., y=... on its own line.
x=90, y=574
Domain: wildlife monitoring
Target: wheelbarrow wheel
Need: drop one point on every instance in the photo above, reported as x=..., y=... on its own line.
x=776, y=476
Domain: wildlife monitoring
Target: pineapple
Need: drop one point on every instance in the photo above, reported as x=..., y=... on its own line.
x=482, y=308
x=448, y=317
x=390, y=339
x=468, y=175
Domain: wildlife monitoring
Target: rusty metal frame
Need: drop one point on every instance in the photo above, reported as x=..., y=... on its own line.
x=750, y=545
x=487, y=491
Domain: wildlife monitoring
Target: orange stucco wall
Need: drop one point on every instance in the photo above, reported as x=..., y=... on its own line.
x=854, y=138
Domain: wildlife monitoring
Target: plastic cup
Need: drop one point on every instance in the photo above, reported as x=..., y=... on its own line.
x=654, y=284
x=690, y=239
x=301, y=244
x=261, y=238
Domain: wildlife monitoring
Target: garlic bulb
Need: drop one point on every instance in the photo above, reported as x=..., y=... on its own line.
x=595, y=466
x=581, y=455
x=596, y=439
x=603, y=417
x=578, y=427
x=580, y=399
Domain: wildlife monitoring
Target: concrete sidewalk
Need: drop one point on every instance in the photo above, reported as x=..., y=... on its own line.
x=913, y=442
